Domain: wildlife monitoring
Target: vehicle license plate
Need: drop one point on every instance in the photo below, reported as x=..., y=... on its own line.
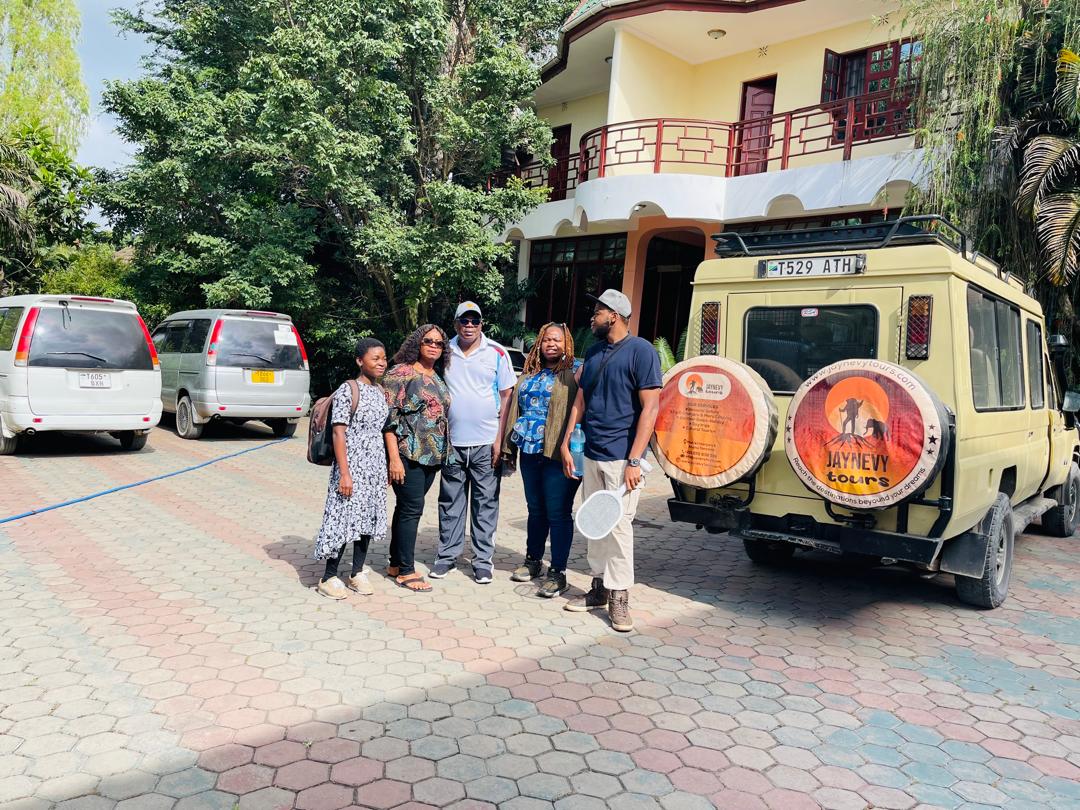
x=262, y=376
x=849, y=265
x=93, y=380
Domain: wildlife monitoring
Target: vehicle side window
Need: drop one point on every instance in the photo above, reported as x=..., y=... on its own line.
x=159, y=337
x=9, y=319
x=997, y=381
x=196, y=336
x=1034, y=364
x=174, y=338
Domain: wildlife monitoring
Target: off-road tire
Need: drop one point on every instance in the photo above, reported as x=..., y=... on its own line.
x=185, y=420
x=130, y=440
x=1061, y=521
x=282, y=428
x=991, y=589
x=768, y=552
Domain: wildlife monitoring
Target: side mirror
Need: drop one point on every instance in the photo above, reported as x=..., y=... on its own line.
x=1057, y=344
x=1071, y=403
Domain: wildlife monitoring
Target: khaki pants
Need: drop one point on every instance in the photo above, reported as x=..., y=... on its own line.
x=612, y=557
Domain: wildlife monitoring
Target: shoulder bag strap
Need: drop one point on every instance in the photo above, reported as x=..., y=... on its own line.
x=600, y=371
x=355, y=386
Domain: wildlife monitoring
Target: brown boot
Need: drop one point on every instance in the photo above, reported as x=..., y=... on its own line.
x=595, y=599
x=619, y=611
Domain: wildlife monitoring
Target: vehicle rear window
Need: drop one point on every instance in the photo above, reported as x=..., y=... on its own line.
x=785, y=345
x=73, y=337
x=9, y=319
x=258, y=344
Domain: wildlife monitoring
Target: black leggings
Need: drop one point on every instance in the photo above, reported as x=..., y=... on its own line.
x=359, y=554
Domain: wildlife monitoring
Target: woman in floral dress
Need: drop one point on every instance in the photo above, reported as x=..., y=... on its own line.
x=356, y=495
x=417, y=441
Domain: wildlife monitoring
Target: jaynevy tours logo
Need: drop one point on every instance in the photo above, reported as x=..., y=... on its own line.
x=866, y=435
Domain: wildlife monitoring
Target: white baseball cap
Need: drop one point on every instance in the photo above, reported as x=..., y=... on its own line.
x=613, y=300
x=467, y=306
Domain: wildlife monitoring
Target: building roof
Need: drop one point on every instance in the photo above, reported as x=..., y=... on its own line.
x=588, y=8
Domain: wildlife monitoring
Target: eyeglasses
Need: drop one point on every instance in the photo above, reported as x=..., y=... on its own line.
x=469, y=321
x=438, y=344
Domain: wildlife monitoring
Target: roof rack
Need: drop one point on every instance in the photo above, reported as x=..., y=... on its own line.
x=901, y=231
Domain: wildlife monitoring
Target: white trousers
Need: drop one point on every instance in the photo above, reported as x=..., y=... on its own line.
x=612, y=557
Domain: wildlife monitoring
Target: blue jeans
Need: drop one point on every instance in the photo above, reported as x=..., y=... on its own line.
x=550, y=496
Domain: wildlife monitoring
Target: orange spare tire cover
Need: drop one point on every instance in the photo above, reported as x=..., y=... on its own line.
x=866, y=434
x=717, y=422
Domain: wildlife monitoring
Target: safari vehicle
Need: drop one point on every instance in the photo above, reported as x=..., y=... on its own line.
x=881, y=391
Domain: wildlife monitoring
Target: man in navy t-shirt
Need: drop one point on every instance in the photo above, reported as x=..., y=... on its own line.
x=616, y=404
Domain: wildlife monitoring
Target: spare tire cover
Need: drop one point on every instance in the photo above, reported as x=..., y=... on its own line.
x=717, y=422
x=866, y=434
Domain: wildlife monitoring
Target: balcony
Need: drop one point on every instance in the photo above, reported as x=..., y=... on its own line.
x=752, y=146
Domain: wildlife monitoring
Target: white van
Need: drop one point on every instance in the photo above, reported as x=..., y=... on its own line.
x=76, y=363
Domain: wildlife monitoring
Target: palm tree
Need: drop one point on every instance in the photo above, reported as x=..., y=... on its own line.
x=1049, y=189
x=16, y=179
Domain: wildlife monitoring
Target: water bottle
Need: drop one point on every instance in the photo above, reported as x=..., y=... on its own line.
x=577, y=450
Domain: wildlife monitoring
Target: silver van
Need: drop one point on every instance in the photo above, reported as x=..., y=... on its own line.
x=232, y=365
x=76, y=363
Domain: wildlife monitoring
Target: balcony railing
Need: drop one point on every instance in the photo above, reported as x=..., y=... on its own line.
x=755, y=145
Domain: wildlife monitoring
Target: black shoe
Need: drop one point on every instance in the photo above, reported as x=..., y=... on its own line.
x=554, y=585
x=440, y=570
x=595, y=599
x=530, y=569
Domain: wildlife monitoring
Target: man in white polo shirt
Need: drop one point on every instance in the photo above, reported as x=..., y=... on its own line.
x=480, y=378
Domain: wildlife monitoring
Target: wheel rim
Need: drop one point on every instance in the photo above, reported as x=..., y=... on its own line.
x=1070, y=507
x=183, y=419
x=1001, y=554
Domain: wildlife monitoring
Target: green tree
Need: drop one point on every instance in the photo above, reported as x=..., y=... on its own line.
x=16, y=230
x=57, y=195
x=997, y=111
x=328, y=157
x=40, y=76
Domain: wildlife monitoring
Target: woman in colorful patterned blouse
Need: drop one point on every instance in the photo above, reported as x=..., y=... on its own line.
x=539, y=409
x=417, y=441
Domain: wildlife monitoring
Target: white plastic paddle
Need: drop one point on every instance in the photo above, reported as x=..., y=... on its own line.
x=602, y=510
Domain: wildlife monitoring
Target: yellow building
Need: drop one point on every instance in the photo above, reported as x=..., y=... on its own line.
x=676, y=119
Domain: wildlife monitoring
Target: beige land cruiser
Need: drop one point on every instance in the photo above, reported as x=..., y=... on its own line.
x=878, y=390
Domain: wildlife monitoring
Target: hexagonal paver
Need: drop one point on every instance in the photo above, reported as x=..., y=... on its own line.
x=438, y=792
x=383, y=793
x=357, y=771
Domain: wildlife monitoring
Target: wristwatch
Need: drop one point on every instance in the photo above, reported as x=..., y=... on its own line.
x=634, y=462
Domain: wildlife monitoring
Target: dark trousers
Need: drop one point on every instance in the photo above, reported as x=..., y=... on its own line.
x=407, y=511
x=469, y=485
x=359, y=555
x=550, y=496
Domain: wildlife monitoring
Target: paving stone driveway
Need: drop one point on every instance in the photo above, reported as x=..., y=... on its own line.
x=161, y=647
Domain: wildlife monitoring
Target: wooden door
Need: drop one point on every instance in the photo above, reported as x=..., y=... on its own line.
x=560, y=151
x=755, y=126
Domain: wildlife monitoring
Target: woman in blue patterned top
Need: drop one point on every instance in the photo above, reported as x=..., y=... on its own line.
x=539, y=409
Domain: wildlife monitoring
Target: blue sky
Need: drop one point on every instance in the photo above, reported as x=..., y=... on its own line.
x=105, y=55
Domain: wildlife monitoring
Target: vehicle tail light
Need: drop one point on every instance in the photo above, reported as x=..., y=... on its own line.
x=920, y=308
x=710, y=328
x=90, y=298
x=300, y=344
x=149, y=341
x=211, y=351
x=22, y=348
x=261, y=312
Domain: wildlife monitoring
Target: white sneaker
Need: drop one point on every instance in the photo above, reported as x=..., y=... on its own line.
x=332, y=588
x=361, y=584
